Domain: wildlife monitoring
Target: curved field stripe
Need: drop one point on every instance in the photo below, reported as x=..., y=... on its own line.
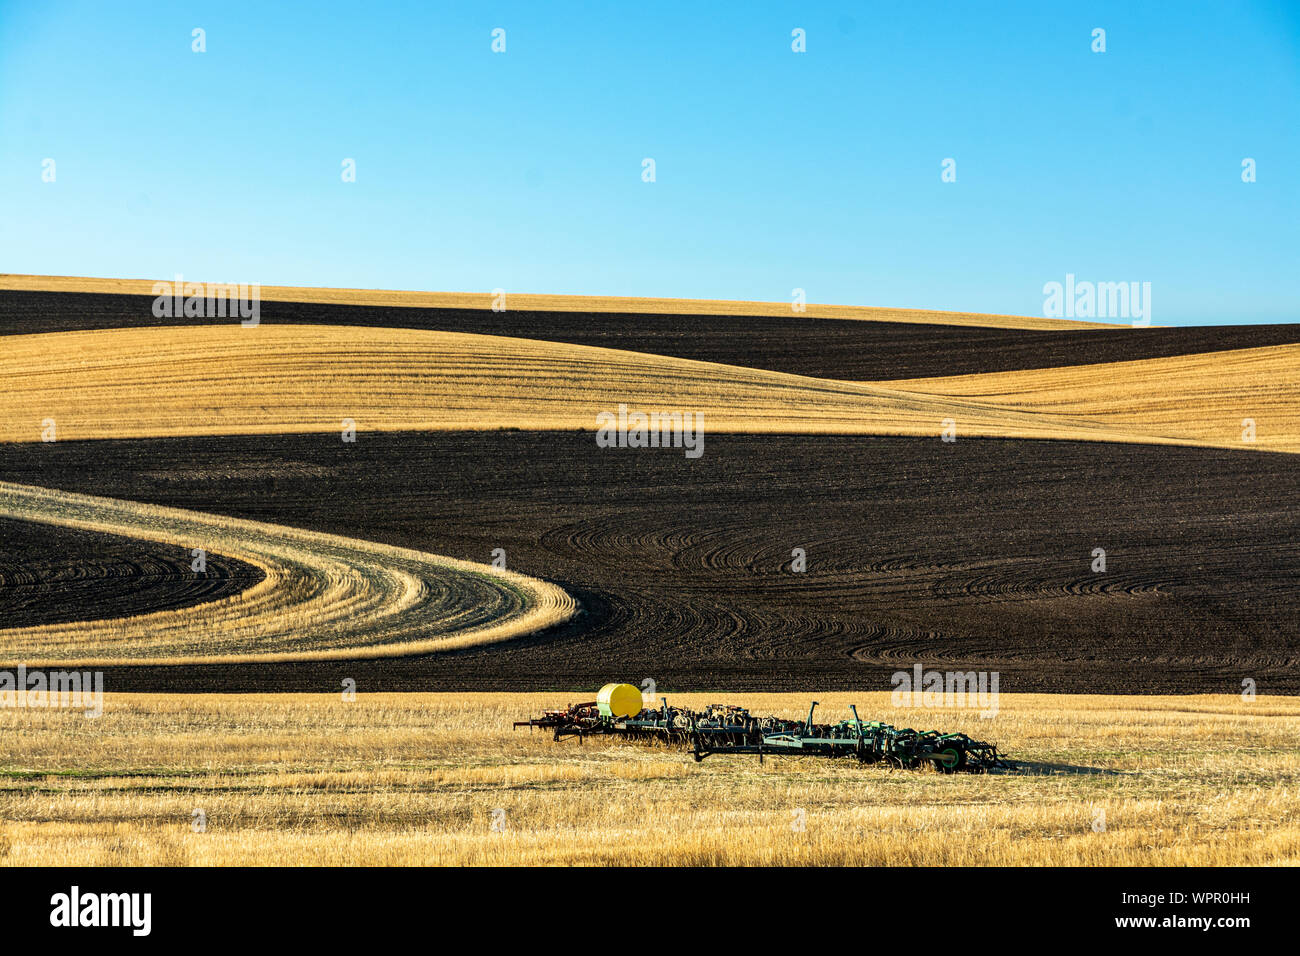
x=324, y=596
x=1205, y=398
x=206, y=380
x=227, y=380
x=524, y=302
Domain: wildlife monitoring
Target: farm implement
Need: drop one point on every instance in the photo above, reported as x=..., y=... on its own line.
x=730, y=730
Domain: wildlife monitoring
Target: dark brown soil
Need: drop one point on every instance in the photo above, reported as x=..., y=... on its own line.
x=831, y=348
x=974, y=555
x=50, y=574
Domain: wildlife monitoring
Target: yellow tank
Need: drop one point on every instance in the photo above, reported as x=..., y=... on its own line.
x=618, y=700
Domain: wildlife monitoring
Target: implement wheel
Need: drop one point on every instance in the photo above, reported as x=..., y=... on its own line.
x=951, y=759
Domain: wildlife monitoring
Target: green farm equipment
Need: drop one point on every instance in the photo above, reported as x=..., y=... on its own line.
x=865, y=741
x=731, y=730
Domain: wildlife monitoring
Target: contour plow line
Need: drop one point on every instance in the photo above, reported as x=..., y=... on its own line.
x=324, y=596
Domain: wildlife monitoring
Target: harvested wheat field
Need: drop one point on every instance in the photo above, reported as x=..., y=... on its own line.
x=1208, y=398
x=135, y=383
x=422, y=779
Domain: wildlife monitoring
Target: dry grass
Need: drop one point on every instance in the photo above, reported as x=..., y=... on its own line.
x=323, y=597
x=567, y=303
x=1202, y=397
x=415, y=779
x=206, y=380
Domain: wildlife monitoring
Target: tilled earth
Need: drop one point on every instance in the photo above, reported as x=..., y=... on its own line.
x=975, y=555
x=51, y=574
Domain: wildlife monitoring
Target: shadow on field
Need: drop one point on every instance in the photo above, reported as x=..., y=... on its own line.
x=1034, y=769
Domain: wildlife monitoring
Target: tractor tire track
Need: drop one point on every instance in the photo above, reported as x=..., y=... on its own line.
x=975, y=556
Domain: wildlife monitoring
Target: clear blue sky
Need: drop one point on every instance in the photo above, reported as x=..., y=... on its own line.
x=775, y=170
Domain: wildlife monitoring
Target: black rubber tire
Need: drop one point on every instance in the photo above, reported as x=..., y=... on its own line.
x=958, y=758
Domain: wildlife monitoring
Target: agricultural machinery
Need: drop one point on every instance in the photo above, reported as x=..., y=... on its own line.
x=728, y=730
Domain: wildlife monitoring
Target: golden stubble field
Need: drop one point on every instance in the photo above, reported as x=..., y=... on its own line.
x=395, y=779
x=229, y=380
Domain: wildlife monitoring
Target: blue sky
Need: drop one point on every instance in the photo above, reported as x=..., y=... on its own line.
x=774, y=170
